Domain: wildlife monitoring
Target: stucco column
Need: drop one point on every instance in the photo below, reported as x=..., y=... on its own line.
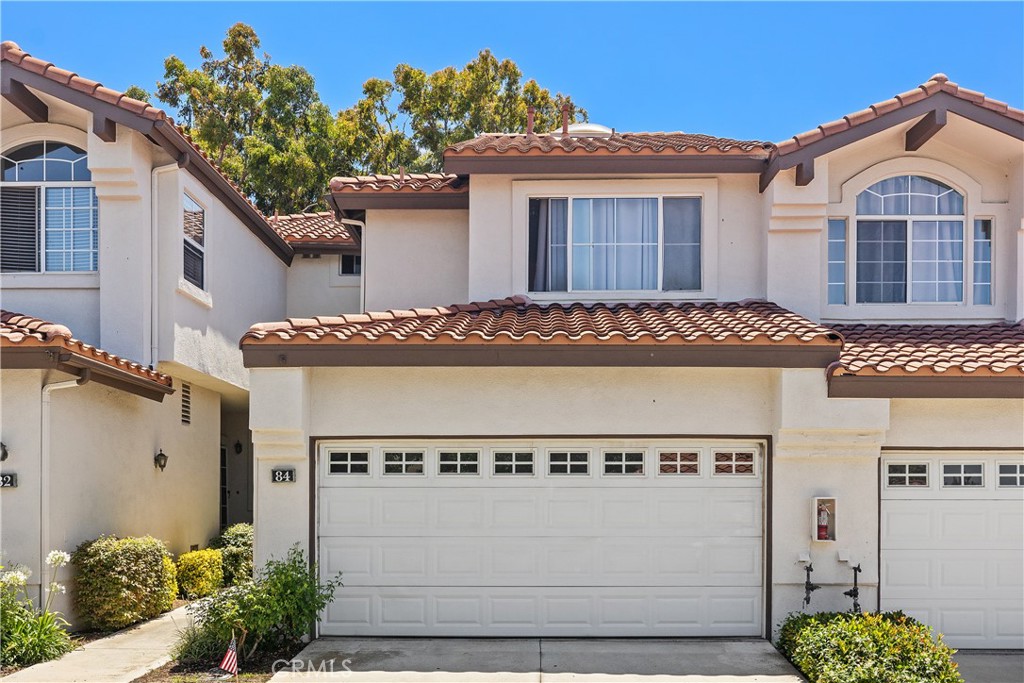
x=279, y=418
x=830, y=448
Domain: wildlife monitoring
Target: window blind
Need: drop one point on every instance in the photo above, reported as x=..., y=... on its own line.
x=19, y=229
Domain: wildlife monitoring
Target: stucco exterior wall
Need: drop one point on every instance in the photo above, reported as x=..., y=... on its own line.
x=415, y=258
x=316, y=287
x=996, y=423
x=102, y=479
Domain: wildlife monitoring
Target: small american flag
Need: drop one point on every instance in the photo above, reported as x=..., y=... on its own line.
x=230, y=661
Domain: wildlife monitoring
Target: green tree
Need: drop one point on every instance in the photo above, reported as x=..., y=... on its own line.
x=262, y=123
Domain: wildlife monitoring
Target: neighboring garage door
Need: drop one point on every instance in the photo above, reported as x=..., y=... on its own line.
x=555, y=538
x=952, y=548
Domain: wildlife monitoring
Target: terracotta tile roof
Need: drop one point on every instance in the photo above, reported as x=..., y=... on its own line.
x=404, y=182
x=313, y=228
x=617, y=143
x=20, y=331
x=517, y=320
x=936, y=84
x=932, y=350
x=12, y=53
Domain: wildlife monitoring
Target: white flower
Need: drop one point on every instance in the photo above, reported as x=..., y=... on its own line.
x=14, y=578
x=57, y=558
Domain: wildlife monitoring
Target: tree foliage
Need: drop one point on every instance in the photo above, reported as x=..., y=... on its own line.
x=266, y=127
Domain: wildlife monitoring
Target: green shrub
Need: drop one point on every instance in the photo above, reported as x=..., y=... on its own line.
x=235, y=544
x=200, y=573
x=123, y=580
x=267, y=614
x=27, y=635
x=835, y=647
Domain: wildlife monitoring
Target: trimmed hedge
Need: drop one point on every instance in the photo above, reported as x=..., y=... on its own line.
x=235, y=545
x=840, y=647
x=200, y=573
x=120, y=581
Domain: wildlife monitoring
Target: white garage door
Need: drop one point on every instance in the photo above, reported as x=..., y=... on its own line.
x=520, y=539
x=953, y=545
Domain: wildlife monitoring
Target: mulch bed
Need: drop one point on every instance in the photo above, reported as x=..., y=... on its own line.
x=257, y=670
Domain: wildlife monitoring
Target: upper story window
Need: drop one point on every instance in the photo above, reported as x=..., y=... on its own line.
x=195, y=240
x=588, y=244
x=909, y=244
x=49, y=214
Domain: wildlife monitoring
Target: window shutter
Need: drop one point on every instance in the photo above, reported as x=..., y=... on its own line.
x=19, y=229
x=194, y=265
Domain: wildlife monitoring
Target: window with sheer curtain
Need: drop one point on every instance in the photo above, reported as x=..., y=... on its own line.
x=587, y=244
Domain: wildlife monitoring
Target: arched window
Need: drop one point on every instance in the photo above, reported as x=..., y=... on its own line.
x=49, y=215
x=910, y=240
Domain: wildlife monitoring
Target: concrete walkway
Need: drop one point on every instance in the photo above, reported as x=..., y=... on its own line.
x=537, y=660
x=119, y=658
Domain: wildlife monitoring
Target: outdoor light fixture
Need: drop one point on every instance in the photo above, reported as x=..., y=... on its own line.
x=160, y=460
x=3, y=451
x=238, y=447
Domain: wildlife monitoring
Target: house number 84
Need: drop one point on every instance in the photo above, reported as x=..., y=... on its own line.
x=282, y=475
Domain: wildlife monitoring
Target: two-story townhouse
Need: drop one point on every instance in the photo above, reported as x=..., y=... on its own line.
x=698, y=367
x=129, y=267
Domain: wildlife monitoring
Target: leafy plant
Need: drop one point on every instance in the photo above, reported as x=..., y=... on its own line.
x=28, y=636
x=833, y=647
x=123, y=580
x=267, y=614
x=200, y=573
x=235, y=544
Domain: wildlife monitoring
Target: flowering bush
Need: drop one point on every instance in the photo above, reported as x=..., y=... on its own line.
x=200, y=573
x=30, y=636
x=123, y=580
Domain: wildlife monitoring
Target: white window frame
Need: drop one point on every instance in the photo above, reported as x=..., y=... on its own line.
x=703, y=188
x=514, y=474
x=644, y=469
x=682, y=449
x=991, y=262
x=460, y=451
x=201, y=247
x=332, y=451
x=975, y=206
x=928, y=474
x=961, y=463
x=1019, y=475
x=568, y=463
x=755, y=470
x=404, y=462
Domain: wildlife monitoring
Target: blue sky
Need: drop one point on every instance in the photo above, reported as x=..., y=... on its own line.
x=747, y=70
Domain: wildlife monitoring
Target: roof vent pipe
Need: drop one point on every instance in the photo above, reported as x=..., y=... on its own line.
x=401, y=174
x=529, y=120
x=565, y=120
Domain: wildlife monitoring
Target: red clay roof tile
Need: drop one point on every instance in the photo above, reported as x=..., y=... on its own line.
x=617, y=143
x=404, y=182
x=313, y=228
x=518, y=320
x=928, y=350
x=18, y=330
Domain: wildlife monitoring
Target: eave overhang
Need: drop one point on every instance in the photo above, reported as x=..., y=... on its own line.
x=58, y=358
x=959, y=386
x=424, y=199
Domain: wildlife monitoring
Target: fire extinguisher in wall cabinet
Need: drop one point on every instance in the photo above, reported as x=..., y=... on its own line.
x=823, y=513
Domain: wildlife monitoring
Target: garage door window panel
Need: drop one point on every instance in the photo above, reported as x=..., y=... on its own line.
x=458, y=462
x=679, y=462
x=568, y=462
x=1011, y=475
x=735, y=463
x=907, y=474
x=624, y=463
x=403, y=462
x=514, y=463
x=963, y=475
x=348, y=462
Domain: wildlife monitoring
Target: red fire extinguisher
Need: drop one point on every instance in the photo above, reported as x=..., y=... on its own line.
x=822, y=522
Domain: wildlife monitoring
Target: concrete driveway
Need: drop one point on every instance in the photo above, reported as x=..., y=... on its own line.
x=533, y=660
x=991, y=666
